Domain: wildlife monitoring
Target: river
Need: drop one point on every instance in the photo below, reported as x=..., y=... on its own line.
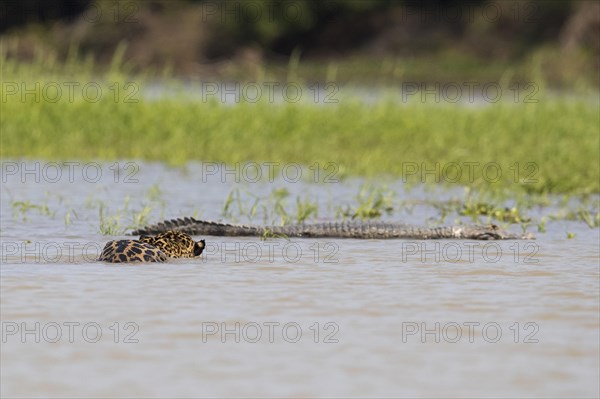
x=291, y=318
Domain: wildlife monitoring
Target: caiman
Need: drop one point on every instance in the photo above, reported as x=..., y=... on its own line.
x=345, y=229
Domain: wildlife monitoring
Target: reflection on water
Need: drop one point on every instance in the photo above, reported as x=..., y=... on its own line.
x=287, y=318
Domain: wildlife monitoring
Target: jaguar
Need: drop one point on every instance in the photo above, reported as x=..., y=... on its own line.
x=159, y=248
x=175, y=244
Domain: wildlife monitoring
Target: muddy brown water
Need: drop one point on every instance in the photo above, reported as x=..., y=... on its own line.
x=284, y=318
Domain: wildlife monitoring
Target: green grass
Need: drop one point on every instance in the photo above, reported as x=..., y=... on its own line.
x=551, y=146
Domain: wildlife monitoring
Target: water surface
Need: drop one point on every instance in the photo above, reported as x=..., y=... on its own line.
x=285, y=318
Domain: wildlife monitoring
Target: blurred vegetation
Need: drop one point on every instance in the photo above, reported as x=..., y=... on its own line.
x=346, y=40
x=550, y=145
x=127, y=48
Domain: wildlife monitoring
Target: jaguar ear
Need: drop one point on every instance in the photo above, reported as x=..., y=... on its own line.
x=199, y=247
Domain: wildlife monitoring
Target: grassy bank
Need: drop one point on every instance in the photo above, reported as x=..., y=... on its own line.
x=548, y=146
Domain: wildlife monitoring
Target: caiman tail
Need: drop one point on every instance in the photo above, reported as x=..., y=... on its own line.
x=345, y=229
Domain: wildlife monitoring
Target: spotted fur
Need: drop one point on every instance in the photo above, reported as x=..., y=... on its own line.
x=152, y=248
x=175, y=244
x=122, y=251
